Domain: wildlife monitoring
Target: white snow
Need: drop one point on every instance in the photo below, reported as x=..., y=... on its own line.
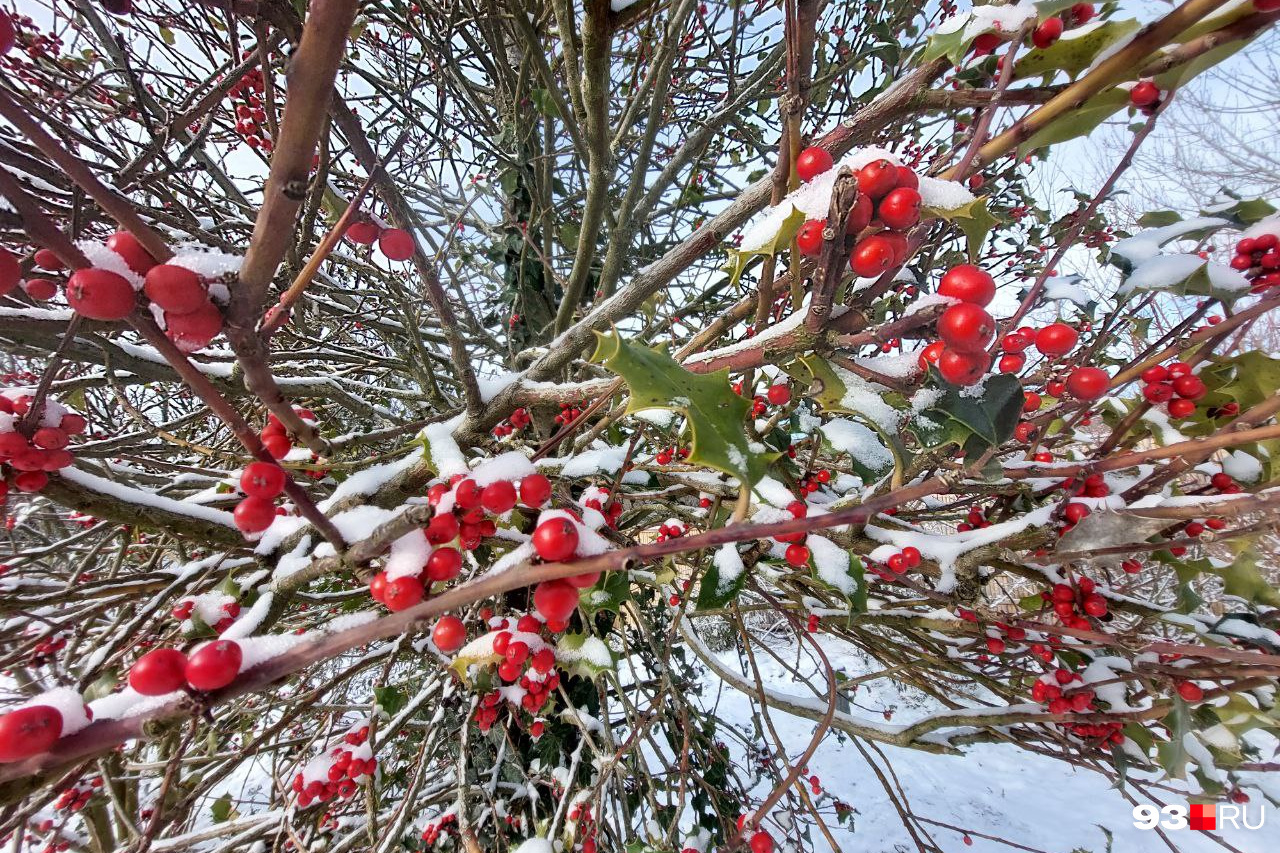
x=143, y=498
x=728, y=563
x=832, y=563
x=445, y=453
x=982, y=19
x=1068, y=288
x=600, y=458
x=859, y=441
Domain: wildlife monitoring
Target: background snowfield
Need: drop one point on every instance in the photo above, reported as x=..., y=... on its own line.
x=1038, y=802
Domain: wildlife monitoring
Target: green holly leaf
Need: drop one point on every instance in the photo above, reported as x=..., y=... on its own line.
x=390, y=699
x=1078, y=122
x=781, y=240
x=715, y=413
x=715, y=592
x=1244, y=212
x=222, y=809
x=1159, y=219
x=974, y=219
x=1242, y=578
x=1245, y=379
x=613, y=590
x=953, y=45
x=1074, y=53
x=543, y=102
x=584, y=655
x=975, y=422
x=1172, y=754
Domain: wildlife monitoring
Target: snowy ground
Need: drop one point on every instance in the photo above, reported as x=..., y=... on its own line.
x=1002, y=791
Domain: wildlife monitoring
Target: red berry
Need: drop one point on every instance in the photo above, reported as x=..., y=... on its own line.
x=73, y=424
x=402, y=593
x=1155, y=374
x=47, y=259
x=277, y=444
x=1144, y=94
x=449, y=634
x=1157, y=392
x=877, y=179
x=1190, y=691
x=1081, y=13
x=972, y=284
x=930, y=354
x=1056, y=339
x=262, y=480
x=194, y=330
x=900, y=209
x=396, y=244
x=176, y=289
x=158, y=672
x=535, y=490
x=1049, y=31
x=50, y=438
x=127, y=247
x=809, y=238
x=555, y=539
x=761, y=842
x=498, y=497
x=444, y=564
x=41, y=289
x=966, y=328
x=555, y=600
x=254, y=515
x=441, y=529
x=100, y=294
x=859, y=216
x=1095, y=605
x=812, y=162
x=779, y=395
x=962, y=368
x=1181, y=408
x=364, y=233
x=31, y=481
x=872, y=256
x=797, y=555
x=28, y=731
x=1189, y=387
x=908, y=178
x=467, y=494
x=1088, y=383
x=214, y=665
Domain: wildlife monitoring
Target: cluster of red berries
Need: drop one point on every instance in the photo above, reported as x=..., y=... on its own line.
x=568, y=414
x=29, y=450
x=262, y=483
x=210, y=667
x=519, y=420
x=581, y=814
x=46, y=649
x=797, y=553
x=39, y=289
x=888, y=201
x=809, y=485
x=1073, y=604
x=396, y=244
x=435, y=829
x=965, y=329
x=528, y=662
x=1050, y=29
x=672, y=528
x=275, y=438
x=1259, y=259
x=251, y=117
x=599, y=500
x=895, y=564
x=667, y=454
x=1225, y=483
x=74, y=798
x=975, y=519
x=1175, y=385
x=338, y=772
x=217, y=614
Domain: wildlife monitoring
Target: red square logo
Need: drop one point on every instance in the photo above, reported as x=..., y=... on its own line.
x=1202, y=817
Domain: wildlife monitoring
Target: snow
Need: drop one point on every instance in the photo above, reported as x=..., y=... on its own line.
x=103, y=258
x=859, y=441
x=832, y=563
x=492, y=386
x=206, y=262
x=1161, y=273
x=445, y=454
x=139, y=497
x=542, y=845
x=947, y=196
x=1146, y=245
x=1270, y=225
x=773, y=492
x=261, y=649
x=369, y=480
x=982, y=19
x=947, y=548
x=600, y=458
x=592, y=652
x=729, y=565
x=867, y=399
x=508, y=467
x=408, y=555
x=1068, y=288
x=68, y=702
x=1241, y=466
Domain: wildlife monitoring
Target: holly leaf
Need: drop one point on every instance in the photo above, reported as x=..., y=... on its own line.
x=781, y=240
x=1172, y=754
x=543, y=102
x=715, y=413
x=713, y=592
x=222, y=810
x=974, y=219
x=952, y=45
x=1159, y=219
x=1245, y=212
x=975, y=421
x=1078, y=122
x=1075, y=51
x=584, y=655
x=613, y=590
x=390, y=699
x=1242, y=578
